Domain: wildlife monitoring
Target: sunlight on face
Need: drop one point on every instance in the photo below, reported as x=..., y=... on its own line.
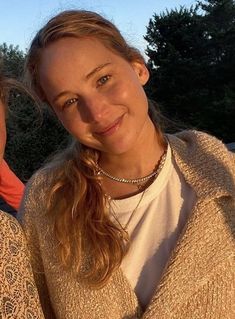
x=97, y=95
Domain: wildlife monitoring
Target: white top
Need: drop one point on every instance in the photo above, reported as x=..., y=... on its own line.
x=154, y=227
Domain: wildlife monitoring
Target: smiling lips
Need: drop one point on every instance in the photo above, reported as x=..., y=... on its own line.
x=109, y=130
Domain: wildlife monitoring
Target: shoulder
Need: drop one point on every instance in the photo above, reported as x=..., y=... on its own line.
x=201, y=147
x=37, y=195
x=196, y=139
x=38, y=181
x=53, y=176
x=39, y=185
x=34, y=201
x=205, y=162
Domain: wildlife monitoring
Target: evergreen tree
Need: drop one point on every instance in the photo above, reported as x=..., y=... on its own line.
x=192, y=61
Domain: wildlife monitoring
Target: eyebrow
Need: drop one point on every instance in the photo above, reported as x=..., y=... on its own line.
x=60, y=95
x=97, y=69
x=90, y=74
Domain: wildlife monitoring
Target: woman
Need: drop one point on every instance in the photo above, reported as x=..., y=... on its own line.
x=18, y=293
x=127, y=222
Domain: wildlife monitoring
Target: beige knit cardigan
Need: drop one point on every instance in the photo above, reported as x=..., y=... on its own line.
x=199, y=279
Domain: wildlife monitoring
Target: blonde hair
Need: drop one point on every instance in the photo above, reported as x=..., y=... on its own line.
x=77, y=24
x=75, y=199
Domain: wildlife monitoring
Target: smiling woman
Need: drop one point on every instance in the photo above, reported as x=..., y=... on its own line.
x=128, y=222
x=104, y=96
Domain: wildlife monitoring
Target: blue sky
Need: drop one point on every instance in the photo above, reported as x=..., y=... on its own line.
x=20, y=19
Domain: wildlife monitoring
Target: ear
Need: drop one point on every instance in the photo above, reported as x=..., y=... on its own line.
x=141, y=71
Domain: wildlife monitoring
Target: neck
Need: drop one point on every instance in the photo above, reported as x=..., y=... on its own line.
x=141, y=160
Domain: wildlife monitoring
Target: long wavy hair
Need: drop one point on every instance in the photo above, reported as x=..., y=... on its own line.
x=75, y=199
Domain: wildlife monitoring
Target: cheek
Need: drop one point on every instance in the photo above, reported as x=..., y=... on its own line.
x=122, y=92
x=72, y=123
x=132, y=95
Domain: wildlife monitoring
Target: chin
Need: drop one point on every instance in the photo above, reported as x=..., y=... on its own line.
x=120, y=149
x=117, y=146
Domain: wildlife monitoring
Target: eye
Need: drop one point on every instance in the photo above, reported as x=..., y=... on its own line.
x=70, y=102
x=103, y=80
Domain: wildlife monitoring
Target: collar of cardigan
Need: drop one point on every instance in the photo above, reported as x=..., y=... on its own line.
x=205, y=162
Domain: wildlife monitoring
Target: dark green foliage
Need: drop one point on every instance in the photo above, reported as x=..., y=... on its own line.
x=12, y=60
x=32, y=137
x=192, y=61
x=33, y=134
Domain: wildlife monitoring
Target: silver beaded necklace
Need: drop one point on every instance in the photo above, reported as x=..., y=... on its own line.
x=134, y=181
x=137, y=180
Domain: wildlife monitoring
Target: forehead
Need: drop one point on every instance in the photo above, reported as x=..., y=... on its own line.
x=70, y=59
x=69, y=50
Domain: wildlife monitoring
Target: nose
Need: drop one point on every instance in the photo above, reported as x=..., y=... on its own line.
x=95, y=108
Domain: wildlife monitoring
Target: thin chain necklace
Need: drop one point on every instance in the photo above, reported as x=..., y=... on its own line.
x=134, y=181
x=158, y=170
x=131, y=215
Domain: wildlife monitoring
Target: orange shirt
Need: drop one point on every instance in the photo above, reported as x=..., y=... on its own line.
x=11, y=188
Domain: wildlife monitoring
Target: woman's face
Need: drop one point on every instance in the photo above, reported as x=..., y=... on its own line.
x=2, y=130
x=97, y=95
